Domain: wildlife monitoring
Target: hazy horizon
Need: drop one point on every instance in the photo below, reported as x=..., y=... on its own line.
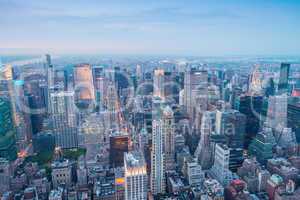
x=206, y=28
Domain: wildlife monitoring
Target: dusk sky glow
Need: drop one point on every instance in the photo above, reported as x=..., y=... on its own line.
x=151, y=27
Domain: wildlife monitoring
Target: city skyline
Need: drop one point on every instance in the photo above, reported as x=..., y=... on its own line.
x=203, y=28
x=149, y=100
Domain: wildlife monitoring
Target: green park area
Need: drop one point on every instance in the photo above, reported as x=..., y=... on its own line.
x=73, y=154
x=45, y=157
x=42, y=158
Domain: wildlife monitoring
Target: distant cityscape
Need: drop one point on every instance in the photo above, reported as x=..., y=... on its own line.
x=134, y=128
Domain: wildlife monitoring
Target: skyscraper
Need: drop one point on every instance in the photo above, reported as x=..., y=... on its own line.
x=252, y=107
x=112, y=104
x=270, y=89
x=284, y=78
x=169, y=137
x=204, y=151
x=136, y=183
x=277, y=111
x=22, y=116
x=50, y=79
x=262, y=145
x=255, y=85
x=222, y=163
x=64, y=119
x=157, y=158
x=119, y=144
x=293, y=117
x=158, y=83
x=287, y=139
x=193, y=79
x=231, y=124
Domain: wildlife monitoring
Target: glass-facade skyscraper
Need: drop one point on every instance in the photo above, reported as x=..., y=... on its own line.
x=284, y=77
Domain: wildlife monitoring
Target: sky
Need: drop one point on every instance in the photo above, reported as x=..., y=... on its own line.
x=174, y=27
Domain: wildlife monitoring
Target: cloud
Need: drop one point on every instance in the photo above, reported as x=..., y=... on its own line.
x=154, y=25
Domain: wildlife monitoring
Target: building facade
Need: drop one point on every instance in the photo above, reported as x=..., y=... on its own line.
x=136, y=179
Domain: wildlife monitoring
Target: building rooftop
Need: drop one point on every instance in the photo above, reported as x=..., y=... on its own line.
x=213, y=186
x=3, y=161
x=134, y=159
x=60, y=163
x=56, y=194
x=279, y=161
x=176, y=182
x=276, y=179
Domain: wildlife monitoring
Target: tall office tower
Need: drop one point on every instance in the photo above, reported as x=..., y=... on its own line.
x=139, y=71
x=231, y=124
x=287, y=139
x=35, y=90
x=169, y=137
x=119, y=144
x=60, y=79
x=200, y=104
x=277, y=112
x=193, y=80
x=50, y=79
x=262, y=145
x=49, y=70
x=122, y=84
x=36, y=118
x=293, y=117
x=255, y=85
x=213, y=93
x=231, y=158
x=235, y=94
x=252, y=107
x=112, y=105
x=23, y=122
x=270, y=88
x=7, y=132
x=172, y=86
x=101, y=92
x=136, y=183
x=204, y=151
x=181, y=97
x=284, y=78
x=158, y=83
x=158, y=178
x=48, y=60
x=83, y=82
x=64, y=119
x=98, y=79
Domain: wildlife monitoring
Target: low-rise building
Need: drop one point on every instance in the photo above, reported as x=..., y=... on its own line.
x=56, y=194
x=175, y=185
x=61, y=173
x=5, y=173
x=212, y=190
x=195, y=175
x=30, y=193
